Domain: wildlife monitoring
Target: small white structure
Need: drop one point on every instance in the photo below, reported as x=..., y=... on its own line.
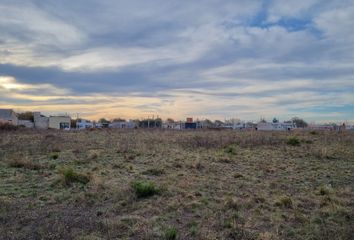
x=349, y=127
x=40, y=121
x=322, y=127
x=239, y=126
x=8, y=116
x=59, y=122
x=26, y=123
x=84, y=124
x=275, y=126
x=122, y=124
x=172, y=125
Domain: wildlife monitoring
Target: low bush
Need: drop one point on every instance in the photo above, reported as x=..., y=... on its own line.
x=284, y=202
x=232, y=203
x=231, y=150
x=54, y=155
x=325, y=190
x=69, y=176
x=144, y=189
x=18, y=163
x=293, y=141
x=7, y=127
x=171, y=233
x=92, y=155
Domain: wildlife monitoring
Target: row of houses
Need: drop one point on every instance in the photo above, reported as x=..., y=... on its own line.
x=39, y=121
x=262, y=125
x=86, y=124
x=238, y=125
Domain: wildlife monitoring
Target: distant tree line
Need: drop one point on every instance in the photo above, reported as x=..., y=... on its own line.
x=26, y=116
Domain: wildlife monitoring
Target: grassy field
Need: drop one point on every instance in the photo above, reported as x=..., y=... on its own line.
x=140, y=184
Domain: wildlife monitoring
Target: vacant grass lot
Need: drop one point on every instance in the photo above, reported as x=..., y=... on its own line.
x=139, y=184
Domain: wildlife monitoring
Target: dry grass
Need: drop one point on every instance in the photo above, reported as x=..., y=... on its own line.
x=26, y=164
x=140, y=184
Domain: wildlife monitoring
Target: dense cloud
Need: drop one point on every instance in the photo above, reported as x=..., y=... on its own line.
x=210, y=58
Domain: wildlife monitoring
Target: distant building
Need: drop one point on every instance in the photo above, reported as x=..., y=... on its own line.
x=172, y=125
x=26, y=123
x=84, y=124
x=239, y=126
x=123, y=124
x=102, y=125
x=59, y=122
x=40, y=121
x=322, y=127
x=349, y=127
x=190, y=125
x=205, y=124
x=189, y=120
x=8, y=116
x=274, y=126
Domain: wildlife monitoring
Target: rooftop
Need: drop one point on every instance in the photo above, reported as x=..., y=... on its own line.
x=6, y=113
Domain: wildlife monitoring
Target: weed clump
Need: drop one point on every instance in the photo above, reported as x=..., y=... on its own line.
x=145, y=189
x=18, y=163
x=231, y=150
x=69, y=176
x=54, y=155
x=325, y=190
x=232, y=203
x=238, y=175
x=153, y=172
x=171, y=233
x=293, y=141
x=92, y=155
x=308, y=141
x=284, y=202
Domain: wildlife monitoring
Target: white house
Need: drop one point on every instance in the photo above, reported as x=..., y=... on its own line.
x=322, y=127
x=26, y=123
x=172, y=125
x=239, y=126
x=122, y=124
x=274, y=126
x=349, y=127
x=84, y=124
x=8, y=116
x=40, y=121
x=59, y=122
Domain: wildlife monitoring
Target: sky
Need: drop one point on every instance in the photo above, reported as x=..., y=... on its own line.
x=213, y=59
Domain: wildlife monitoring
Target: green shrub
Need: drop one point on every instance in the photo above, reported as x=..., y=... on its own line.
x=325, y=190
x=145, y=189
x=70, y=176
x=231, y=150
x=193, y=227
x=54, y=155
x=171, y=233
x=293, y=141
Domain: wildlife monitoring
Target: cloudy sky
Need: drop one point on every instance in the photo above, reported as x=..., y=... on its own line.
x=178, y=58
